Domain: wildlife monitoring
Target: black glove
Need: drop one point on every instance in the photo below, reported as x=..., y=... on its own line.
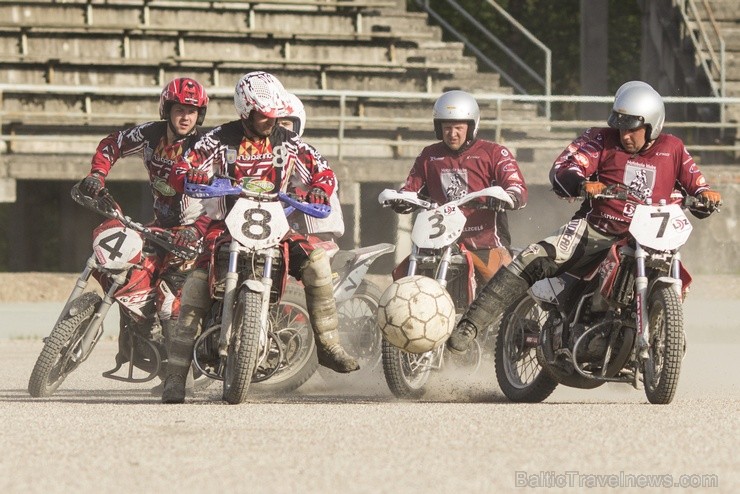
x=186, y=237
x=401, y=207
x=317, y=196
x=197, y=176
x=496, y=204
x=92, y=184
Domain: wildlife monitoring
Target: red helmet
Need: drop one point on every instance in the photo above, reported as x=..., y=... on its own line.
x=186, y=91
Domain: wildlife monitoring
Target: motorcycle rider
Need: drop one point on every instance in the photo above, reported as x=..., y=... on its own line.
x=183, y=103
x=461, y=163
x=331, y=227
x=245, y=149
x=632, y=152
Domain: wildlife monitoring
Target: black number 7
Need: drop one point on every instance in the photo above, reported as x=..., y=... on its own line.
x=663, y=224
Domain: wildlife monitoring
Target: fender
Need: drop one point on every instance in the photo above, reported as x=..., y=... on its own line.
x=254, y=286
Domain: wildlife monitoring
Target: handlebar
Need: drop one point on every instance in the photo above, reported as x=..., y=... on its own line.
x=105, y=205
x=622, y=193
x=412, y=198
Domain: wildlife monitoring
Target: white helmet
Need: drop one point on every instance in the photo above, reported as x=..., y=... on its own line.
x=456, y=105
x=262, y=92
x=636, y=103
x=297, y=114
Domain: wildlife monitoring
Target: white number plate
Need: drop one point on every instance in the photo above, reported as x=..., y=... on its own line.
x=257, y=225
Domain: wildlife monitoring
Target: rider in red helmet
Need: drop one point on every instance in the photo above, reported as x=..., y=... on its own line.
x=182, y=108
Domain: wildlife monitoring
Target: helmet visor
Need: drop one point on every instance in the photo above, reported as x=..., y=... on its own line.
x=623, y=121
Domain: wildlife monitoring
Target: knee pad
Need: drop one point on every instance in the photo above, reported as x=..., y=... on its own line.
x=533, y=264
x=316, y=271
x=195, y=292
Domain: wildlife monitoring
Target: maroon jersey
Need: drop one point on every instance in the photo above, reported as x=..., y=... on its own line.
x=258, y=164
x=654, y=173
x=149, y=141
x=445, y=175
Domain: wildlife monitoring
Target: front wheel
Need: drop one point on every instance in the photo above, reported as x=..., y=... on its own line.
x=243, y=346
x=518, y=372
x=61, y=353
x=406, y=373
x=358, y=330
x=665, y=353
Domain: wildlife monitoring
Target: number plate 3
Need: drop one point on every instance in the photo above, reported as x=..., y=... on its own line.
x=438, y=228
x=257, y=225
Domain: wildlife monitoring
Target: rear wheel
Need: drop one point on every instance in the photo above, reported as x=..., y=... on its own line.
x=61, y=353
x=665, y=353
x=518, y=372
x=243, y=346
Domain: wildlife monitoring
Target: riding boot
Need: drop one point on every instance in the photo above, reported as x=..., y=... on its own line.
x=180, y=341
x=322, y=311
x=500, y=292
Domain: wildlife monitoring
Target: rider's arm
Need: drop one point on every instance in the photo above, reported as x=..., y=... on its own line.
x=576, y=163
x=119, y=145
x=691, y=179
x=508, y=176
x=206, y=154
x=312, y=163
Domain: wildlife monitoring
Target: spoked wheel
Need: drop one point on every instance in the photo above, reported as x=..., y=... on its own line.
x=406, y=373
x=295, y=358
x=358, y=330
x=518, y=372
x=61, y=353
x=663, y=365
x=243, y=346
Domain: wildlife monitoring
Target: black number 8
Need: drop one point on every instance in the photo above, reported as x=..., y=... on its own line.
x=257, y=224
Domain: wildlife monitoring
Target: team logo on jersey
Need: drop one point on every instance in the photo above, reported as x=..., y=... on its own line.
x=454, y=183
x=640, y=178
x=257, y=185
x=701, y=181
x=231, y=156
x=160, y=185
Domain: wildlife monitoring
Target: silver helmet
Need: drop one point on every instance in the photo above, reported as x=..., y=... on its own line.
x=456, y=105
x=636, y=103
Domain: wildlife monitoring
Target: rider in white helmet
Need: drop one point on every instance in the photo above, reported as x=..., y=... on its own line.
x=632, y=152
x=332, y=225
x=246, y=149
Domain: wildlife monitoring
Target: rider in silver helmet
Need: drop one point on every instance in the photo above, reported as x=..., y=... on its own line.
x=632, y=152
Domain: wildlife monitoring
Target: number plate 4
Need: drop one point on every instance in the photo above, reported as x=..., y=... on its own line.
x=257, y=225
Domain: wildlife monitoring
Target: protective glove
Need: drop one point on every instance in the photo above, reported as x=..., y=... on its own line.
x=711, y=199
x=317, y=196
x=590, y=190
x=186, y=237
x=496, y=204
x=198, y=176
x=401, y=207
x=92, y=184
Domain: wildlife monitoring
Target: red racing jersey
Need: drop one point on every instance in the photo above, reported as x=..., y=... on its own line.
x=445, y=175
x=260, y=164
x=149, y=141
x=653, y=173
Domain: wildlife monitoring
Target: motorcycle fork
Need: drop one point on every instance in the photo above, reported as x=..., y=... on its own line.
x=444, y=265
x=95, y=329
x=80, y=286
x=641, y=288
x=230, y=281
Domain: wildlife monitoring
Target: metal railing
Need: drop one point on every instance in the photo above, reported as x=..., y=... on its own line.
x=543, y=80
x=343, y=120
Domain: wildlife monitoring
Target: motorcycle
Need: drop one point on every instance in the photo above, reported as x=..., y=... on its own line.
x=620, y=322
x=249, y=336
x=357, y=303
x=121, y=266
x=435, y=253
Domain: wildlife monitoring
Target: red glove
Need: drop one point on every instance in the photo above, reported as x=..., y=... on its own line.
x=317, y=196
x=186, y=237
x=711, y=198
x=198, y=176
x=591, y=189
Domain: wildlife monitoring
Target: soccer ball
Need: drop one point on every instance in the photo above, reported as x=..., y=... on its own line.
x=416, y=314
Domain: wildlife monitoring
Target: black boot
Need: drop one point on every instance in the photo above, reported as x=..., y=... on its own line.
x=174, y=389
x=501, y=291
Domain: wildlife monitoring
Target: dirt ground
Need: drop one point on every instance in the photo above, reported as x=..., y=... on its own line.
x=53, y=287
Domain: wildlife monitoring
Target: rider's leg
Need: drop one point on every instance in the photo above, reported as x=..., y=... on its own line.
x=195, y=303
x=316, y=276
